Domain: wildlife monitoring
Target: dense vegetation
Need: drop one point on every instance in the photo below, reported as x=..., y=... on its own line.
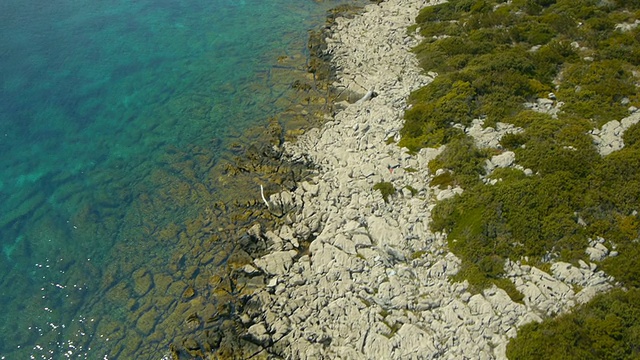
x=608, y=327
x=491, y=57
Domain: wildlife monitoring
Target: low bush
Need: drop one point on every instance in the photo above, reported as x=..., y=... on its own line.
x=595, y=90
x=386, y=189
x=631, y=136
x=443, y=180
x=608, y=327
x=464, y=160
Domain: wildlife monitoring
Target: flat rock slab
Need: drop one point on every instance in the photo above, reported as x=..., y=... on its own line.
x=277, y=263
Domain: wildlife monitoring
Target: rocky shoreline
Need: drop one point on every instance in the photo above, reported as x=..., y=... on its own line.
x=354, y=276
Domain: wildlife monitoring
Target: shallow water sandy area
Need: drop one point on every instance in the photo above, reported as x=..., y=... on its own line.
x=120, y=127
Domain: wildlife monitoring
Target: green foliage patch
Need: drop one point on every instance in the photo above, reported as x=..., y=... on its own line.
x=631, y=136
x=608, y=327
x=595, y=90
x=386, y=189
x=411, y=189
x=463, y=160
x=497, y=55
x=506, y=54
x=493, y=56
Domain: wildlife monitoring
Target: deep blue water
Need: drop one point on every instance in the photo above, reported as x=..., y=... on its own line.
x=92, y=95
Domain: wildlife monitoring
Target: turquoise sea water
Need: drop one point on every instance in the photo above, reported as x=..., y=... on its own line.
x=96, y=98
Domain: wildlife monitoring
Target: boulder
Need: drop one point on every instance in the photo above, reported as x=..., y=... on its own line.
x=344, y=244
x=595, y=253
x=568, y=273
x=410, y=339
x=504, y=160
x=310, y=189
x=377, y=346
x=257, y=333
x=479, y=305
x=382, y=233
x=277, y=263
x=361, y=240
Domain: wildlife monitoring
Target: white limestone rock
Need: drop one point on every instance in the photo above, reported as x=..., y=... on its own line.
x=361, y=240
x=609, y=137
x=250, y=270
x=412, y=342
x=569, y=274
x=480, y=306
x=277, y=244
x=448, y=193
x=382, y=233
x=255, y=231
x=277, y=263
x=504, y=160
x=344, y=244
x=597, y=252
x=258, y=333
x=377, y=346
x=489, y=137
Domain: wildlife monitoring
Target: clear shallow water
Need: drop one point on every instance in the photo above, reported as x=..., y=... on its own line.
x=99, y=102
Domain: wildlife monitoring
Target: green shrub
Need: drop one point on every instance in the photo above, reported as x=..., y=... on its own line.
x=533, y=33
x=441, y=27
x=552, y=145
x=488, y=39
x=386, y=189
x=510, y=288
x=513, y=141
x=413, y=190
x=436, y=107
x=516, y=59
x=508, y=174
x=464, y=160
x=476, y=278
x=625, y=268
x=631, y=136
x=497, y=19
x=560, y=22
x=595, y=90
x=608, y=327
x=443, y=180
x=621, y=46
x=486, y=72
x=441, y=12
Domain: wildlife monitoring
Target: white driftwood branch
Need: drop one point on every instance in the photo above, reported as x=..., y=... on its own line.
x=366, y=97
x=263, y=198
